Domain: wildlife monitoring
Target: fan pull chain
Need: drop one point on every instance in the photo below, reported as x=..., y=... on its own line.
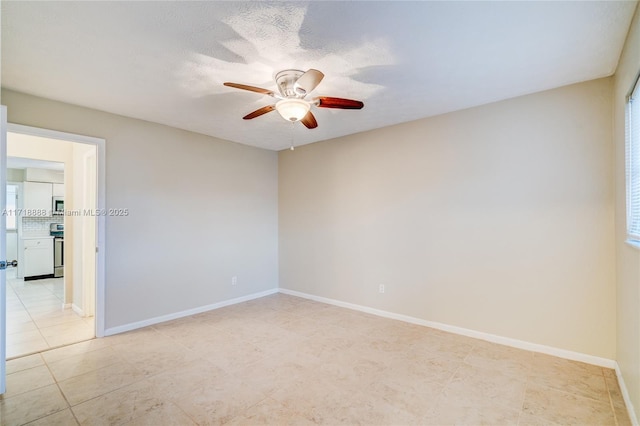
x=292, y=129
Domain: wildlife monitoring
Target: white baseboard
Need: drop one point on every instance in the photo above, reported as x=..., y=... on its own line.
x=520, y=344
x=66, y=305
x=626, y=397
x=77, y=309
x=151, y=321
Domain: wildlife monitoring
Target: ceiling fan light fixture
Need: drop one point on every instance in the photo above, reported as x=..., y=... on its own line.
x=293, y=109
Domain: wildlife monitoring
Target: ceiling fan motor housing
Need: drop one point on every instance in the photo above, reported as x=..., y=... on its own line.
x=286, y=81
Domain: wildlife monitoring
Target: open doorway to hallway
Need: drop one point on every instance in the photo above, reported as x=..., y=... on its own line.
x=51, y=294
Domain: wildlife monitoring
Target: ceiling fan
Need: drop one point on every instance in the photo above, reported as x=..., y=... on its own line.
x=294, y=87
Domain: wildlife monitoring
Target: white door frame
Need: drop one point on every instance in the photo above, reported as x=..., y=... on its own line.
x=89, y=180
x=3, y=250
x=101, y=205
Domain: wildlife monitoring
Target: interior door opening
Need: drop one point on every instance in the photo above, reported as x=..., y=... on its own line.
x=51, y=296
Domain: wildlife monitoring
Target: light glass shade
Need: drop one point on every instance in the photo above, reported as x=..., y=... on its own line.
x=293, y=109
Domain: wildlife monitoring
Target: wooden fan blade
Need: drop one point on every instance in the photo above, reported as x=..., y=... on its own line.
x=259, y=112
x=327, y=102
x=250, y=88
x=309, y=121
x=308, y=81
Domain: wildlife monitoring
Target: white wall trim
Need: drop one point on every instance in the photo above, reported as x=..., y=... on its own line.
x=77, y=309
x=626, y=397
x=100, y=145
x=520, y=344
x=151, y=321
x=52, y=134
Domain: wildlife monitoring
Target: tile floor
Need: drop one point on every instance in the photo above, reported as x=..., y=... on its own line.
x=36, y=320
x=286, y=360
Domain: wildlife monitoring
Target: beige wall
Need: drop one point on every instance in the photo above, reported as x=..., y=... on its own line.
x=497, y=219
x=201, y=211
x=628, y=258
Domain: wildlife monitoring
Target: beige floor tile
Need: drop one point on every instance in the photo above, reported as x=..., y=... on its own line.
x=99, y=382
x=179, y=327
x=219, y=402
x=395, y=331
x=61, y=418
x=442, y=345
x=41, y=301
x=135, y=338
x=348, y=370
x=27, y=347
x=547, y=364
x=24, y=363
x=32, y=306
x=79, y=348
x=119, y=406
x=28, y=380
x=569, y=376
x=243, y=354
x=527, y=419
x=25, y=336
x=447, y=413
x=475, y=386
x=275, y=343
x=272, y=317
x=77, y=365
x=619, y=407
x=509, y=361
x=276, y=373
x=286, y=360
x=376, y=326
x=429, y=368
x=583, y=384
x=326, y=348
x=51, y=319
x=305, y=326
x=18, y=317
x=269, y=411
x=622, y=416
x=166, y=414
x=183, y=379
x=78, y=334
x=565, y=408
x=416, y=399
x=297, y=396
x=199, y=337
x=29, y=406
x=335, y=405
x=156, y=357
x=21, y=327
x=67, y=327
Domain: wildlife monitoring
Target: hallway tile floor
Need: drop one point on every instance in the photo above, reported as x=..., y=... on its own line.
x=36, y=320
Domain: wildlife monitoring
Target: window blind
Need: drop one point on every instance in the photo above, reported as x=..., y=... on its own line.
x=633, y=163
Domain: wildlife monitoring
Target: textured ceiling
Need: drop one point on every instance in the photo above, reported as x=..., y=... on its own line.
x=166, y=61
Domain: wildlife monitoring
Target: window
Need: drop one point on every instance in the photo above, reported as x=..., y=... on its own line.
x=12, y=193
x=633, y=164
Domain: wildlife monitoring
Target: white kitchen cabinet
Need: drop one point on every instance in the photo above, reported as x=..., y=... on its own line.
x=38, y=257
x=58, y=190
x=37, y=198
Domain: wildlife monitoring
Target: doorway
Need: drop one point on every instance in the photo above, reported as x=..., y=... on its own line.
x=60, y=304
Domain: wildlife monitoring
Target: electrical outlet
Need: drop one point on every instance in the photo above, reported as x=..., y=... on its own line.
x=234, y=280
x=381, y=288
